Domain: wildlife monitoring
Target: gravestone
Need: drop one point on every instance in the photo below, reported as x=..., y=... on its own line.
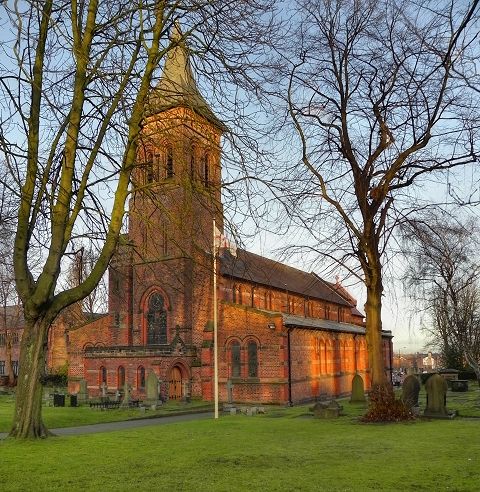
x=186, y=392
x=126, y=395
x=358, y=390
x=436, y=388
x=152, y=388
x=327, y=410
x=82, y=394
x=410, y=391
x=229, y=391
x=104, y=388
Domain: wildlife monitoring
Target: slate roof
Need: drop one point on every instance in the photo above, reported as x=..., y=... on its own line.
x=260, y=270
x=322, y=324
x=293, y=320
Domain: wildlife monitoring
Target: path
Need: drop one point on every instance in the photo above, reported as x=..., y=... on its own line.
x=124, y=424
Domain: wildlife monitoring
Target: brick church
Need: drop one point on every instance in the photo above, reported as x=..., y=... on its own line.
x=284, y=335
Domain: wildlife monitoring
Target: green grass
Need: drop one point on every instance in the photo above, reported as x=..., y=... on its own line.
x=239, y=453
x=55, y=417
x=284, y=450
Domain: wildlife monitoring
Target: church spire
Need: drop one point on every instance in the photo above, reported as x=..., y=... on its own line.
x=177, y=86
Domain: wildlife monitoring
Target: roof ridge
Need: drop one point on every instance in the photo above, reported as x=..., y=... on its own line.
x=261, y=270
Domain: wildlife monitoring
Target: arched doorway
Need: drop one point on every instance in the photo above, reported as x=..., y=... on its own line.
x=175, y=384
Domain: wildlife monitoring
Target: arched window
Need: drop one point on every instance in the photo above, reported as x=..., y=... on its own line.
x=156, y=320
x=164, y=240
x=120, y=377
x=193, y=161
x=235, y=359
x=149, y=174
x=206, y=168
x=102, y=376
x=169, y=171
x=252, y=360
x=141, y=377
x=237, y=294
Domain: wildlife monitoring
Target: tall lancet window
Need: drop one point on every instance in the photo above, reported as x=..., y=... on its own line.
x=156, y=320
x=169, y=171
x=193, y=162
x=206, y=169
x=149, y=171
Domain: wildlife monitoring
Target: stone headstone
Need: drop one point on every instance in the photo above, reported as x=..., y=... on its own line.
x=410, y=390
x=229, y=391
x=358, y=389
x=126, y=395
x=104, y=394
x=82, y=394
x=458, y=384
x=327, y=410
x=436, y=388
x=152, y=387
x=186, y=392
x=233, y=411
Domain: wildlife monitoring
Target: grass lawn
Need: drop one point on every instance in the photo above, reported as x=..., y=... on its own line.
x=55, y=417
x=284, y=450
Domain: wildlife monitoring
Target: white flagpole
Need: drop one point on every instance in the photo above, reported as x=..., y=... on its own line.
x=215, y=346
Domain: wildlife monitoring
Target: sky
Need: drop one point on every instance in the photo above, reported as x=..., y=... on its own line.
x=399, y=316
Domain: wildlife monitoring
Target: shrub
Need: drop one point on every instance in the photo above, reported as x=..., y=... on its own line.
x=58, y=378
x=384, y=407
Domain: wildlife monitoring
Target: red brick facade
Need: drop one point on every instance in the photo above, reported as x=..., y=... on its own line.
x=283, y=335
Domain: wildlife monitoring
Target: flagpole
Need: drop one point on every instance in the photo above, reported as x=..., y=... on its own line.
x=215, y=346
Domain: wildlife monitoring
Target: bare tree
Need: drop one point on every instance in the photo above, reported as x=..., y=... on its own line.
x=75, y=82
x=82, y=264
x=375, y=108
x=443, y=276
x=10, y=316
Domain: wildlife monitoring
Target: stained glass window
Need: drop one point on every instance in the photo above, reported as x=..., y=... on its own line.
x=235, y=348
x=121, y=377
x=252, y=360
x=156, y=321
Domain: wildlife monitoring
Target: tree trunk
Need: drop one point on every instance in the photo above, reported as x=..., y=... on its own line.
x=383, y=407
x=27, y=421
x=373, y=312
x=8, y=362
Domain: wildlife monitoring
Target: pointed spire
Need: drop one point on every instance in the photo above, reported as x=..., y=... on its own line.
x=177, y=86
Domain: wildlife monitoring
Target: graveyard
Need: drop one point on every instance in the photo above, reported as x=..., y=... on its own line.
x=283, y=449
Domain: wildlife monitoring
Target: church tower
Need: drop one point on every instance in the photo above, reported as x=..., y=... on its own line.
x=161, y=279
